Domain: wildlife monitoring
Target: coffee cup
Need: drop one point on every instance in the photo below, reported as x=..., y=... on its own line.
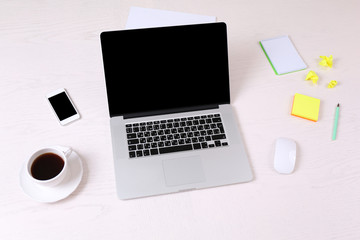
x=48, y=166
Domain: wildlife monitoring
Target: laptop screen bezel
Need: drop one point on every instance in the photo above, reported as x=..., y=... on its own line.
x=108, y=39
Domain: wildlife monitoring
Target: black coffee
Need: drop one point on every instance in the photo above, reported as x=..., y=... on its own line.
x=47, y=166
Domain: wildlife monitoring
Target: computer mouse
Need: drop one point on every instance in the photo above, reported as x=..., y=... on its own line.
x=285, y=155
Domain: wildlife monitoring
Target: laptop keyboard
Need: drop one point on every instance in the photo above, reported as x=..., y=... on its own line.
x=175, y=135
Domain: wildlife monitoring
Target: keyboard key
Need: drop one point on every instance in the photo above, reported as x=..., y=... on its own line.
x=133, y=141
x=204, y=145
x=175, y=148
x=139, y=153
x=196, y=146
x=218, y=137
x=132, y=154
x=154, y=151
x=216, y=120
x=132, y=147
x=131, y=135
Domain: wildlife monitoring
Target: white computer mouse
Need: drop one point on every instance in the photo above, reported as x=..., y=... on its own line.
x=285, y=155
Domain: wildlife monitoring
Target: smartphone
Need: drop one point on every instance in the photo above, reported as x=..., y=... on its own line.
x=62, y=106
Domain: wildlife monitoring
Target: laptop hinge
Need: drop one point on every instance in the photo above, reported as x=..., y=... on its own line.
x=170, y=111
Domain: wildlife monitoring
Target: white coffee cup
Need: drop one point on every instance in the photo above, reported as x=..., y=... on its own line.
x=48, y=166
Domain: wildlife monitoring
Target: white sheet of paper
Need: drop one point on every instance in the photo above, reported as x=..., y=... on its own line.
x=283, y=55
x=146, y=18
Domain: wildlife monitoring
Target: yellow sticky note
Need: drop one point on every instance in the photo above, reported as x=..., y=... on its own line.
x=306, y=107
x=312, y=76
x=332, y=84
x=326, y=61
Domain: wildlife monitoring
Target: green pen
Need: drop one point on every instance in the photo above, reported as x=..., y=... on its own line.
x=336, y=122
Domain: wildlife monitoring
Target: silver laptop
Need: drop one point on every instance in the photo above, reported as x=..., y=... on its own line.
x=172, y=126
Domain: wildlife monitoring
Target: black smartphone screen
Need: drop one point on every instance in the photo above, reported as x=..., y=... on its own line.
x=62, y=106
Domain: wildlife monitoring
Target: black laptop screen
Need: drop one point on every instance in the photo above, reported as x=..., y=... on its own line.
x=161, y=69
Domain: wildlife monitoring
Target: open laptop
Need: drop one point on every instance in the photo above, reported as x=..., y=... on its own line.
x=172, y=126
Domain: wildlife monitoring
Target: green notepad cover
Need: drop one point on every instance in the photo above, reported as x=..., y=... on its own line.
x=269, y=59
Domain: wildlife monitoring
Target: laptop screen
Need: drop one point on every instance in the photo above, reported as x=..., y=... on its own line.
x=159, y=70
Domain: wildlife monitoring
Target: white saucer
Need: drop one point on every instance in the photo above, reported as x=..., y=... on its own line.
x=58, y=192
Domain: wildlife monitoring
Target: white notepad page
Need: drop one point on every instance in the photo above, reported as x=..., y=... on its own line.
x=147, y=18
x=283, y=55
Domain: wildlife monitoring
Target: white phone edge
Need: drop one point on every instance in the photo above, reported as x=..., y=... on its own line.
x=69, y=119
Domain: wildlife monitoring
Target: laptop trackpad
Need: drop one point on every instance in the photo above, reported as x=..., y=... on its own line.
x=186, y=170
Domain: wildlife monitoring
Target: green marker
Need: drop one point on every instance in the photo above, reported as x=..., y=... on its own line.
x=336, y=122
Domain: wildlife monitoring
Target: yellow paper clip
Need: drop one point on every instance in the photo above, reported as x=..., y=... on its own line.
x=326, y=61
x=312, y=76
x=332, y=84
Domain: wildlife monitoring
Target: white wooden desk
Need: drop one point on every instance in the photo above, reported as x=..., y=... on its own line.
x=45, y=45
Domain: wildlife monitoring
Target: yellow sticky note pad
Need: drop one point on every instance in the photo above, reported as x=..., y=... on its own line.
x=306, y=107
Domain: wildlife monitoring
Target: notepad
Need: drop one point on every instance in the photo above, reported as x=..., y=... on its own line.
x=306, y=107
x=282, y=55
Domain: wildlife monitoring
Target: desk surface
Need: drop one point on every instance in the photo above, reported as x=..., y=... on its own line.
x=46, y=45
